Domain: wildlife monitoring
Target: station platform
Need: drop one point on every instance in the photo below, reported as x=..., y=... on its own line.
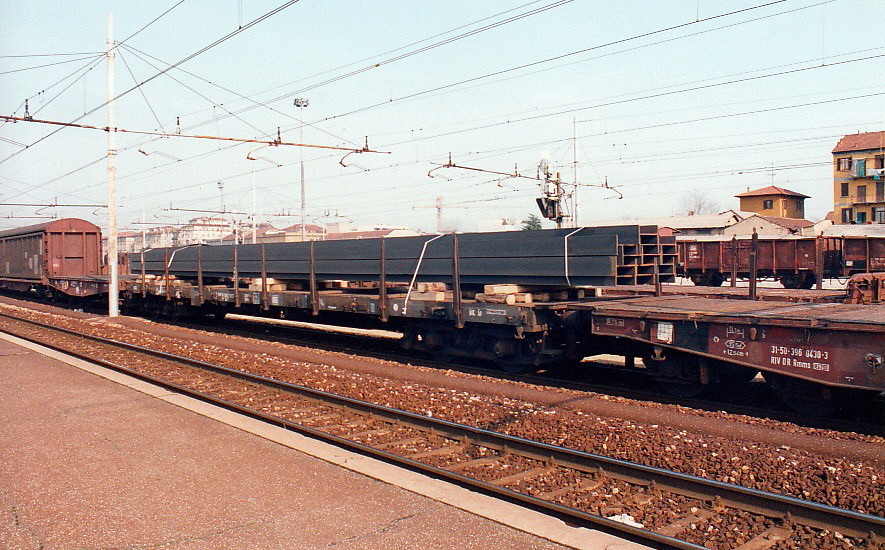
x=90, y=458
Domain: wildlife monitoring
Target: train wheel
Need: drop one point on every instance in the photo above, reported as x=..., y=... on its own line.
x=803, y=396
x=511, y=367
x=808, y=281
x=708, y=278
x=677, y=374
x=804, y=280
x=442, y=357
x=715, y=279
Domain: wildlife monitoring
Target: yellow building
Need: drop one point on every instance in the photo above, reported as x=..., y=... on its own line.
x=859, y=178
x=774, y=201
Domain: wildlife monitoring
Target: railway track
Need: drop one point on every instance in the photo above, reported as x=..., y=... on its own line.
x=660, y=507
x=757, y=401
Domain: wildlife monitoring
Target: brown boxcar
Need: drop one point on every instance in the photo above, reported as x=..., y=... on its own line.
x=61, y=255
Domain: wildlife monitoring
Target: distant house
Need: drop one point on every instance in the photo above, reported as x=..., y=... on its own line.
x=769, y=226
x=312, y=232
x=203, y=230
x=774, y=201
x=859, y=178
x=243, y=233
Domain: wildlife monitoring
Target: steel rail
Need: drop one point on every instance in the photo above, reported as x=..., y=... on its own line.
x=820, y=516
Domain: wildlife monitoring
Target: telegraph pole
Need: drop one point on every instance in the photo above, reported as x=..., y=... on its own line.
x=114, y=285
x=576, y=222
x=301, y=103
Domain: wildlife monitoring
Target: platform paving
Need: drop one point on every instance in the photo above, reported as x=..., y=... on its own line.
x=86, y=462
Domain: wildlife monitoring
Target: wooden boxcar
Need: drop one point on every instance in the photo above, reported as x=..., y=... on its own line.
x=60, y=256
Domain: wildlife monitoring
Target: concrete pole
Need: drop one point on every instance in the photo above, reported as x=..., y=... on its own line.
x=254, y=212
x=114, y=286
x=301, y=152
x=575, y=198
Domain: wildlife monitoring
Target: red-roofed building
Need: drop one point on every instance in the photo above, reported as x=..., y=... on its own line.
x=859, y=178
x=773, y=201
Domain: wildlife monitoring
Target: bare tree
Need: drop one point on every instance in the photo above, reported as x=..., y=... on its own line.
x=695, y=203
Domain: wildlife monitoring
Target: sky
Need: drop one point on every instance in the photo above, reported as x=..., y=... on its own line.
x=657, y=100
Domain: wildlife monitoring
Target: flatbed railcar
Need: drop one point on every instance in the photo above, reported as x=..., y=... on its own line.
x=59, y=257
x=797, y=262
x=812, y=352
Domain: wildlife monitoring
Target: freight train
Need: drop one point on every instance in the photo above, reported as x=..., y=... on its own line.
x=522, y=300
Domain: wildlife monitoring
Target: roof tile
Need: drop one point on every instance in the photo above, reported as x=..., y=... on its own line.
x=861, y=142
x=771, y=190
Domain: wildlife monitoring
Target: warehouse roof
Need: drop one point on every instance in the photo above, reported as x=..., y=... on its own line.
x=861, y=142
x=771, y=190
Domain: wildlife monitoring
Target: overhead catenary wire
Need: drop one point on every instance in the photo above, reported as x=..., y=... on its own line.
x=641, y=98
x=176, y=185
x=578, y=52
x=143, y=55
x=653, y=32
x=214, y=103
x=408, y=54
x=11, y=71
x=98, y=55
x=140, y=89
x=596, y=134
x=164, y=71
x=275, y=143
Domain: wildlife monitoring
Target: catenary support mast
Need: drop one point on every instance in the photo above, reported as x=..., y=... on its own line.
x=114, y=285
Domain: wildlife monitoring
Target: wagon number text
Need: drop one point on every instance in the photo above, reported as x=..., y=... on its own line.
x=802, y=358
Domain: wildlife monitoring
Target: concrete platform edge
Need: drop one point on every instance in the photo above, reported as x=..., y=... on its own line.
x=511, y=515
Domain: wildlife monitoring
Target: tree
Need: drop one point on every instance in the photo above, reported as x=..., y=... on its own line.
x=532, y=223
x=695, y=203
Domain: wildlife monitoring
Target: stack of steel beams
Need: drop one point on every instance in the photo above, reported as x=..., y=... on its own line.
x=590, y=256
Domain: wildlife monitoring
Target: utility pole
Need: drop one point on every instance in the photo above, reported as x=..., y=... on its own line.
x=575, y=220
x=114, y=285
x=254, y=212
x=301, y=103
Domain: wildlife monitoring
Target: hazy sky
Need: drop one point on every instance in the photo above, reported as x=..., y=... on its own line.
x=722, y=102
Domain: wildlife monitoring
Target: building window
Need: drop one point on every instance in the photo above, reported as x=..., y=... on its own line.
x=861, y=217
x=843, y=190
x=880, y=191
x=879, y=162
x=879, y=214
x=767, y=204
x=845, y=164
x=861, y=193
x=847, y=215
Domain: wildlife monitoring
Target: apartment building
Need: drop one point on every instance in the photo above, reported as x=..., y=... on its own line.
x=859, y=179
